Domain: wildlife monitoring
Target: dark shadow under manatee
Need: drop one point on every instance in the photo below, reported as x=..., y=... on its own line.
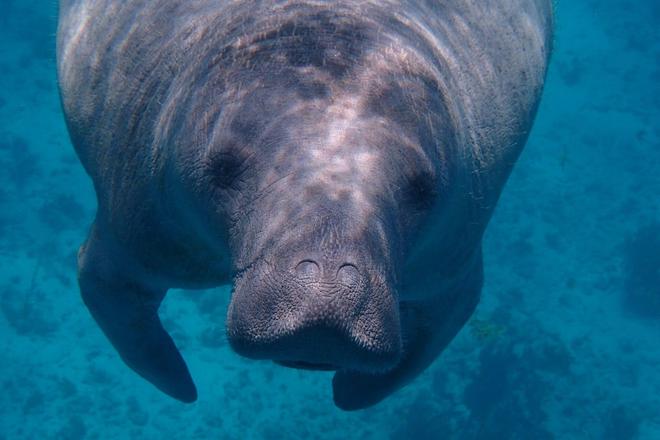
x=506, y=396
x=641, y=266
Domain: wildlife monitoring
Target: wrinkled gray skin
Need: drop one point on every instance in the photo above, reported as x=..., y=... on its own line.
x=338, y=160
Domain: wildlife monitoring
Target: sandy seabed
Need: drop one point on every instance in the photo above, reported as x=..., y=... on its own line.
x=564, y=345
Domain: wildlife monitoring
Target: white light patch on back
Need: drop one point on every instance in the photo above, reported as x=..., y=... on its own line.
x=343, y=162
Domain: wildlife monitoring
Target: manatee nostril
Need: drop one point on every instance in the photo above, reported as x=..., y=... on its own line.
x=307, y=269
x=348, y=274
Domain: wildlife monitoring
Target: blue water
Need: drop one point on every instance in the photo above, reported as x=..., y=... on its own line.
x=564, y=345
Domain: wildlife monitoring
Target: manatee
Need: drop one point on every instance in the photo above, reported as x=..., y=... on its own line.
x=336, y=161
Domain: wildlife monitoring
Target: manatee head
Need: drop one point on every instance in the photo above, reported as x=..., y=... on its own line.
x=327, y=153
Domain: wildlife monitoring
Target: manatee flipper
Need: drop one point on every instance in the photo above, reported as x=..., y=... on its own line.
x=127, y=312
x=429, y=326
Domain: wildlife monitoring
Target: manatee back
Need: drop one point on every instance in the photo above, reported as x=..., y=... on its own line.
x=111, y=62
x=496, y=54
x=493, y=57
x=117, y=61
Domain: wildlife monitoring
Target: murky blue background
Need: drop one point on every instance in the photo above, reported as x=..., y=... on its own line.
x=566, y=341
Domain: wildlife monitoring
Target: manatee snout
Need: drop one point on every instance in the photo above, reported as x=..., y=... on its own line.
x=316, y=311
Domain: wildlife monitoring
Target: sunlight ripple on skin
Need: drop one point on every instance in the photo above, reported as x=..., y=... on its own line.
x=339, y=172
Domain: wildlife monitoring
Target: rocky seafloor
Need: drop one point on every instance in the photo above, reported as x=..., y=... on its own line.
x=564, y=345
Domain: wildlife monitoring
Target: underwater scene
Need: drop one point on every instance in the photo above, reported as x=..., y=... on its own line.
x=564, y=344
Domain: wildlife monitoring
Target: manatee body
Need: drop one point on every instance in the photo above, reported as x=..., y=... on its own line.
x=337, y=161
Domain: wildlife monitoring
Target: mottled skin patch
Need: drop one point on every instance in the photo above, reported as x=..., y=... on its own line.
x=337, y=160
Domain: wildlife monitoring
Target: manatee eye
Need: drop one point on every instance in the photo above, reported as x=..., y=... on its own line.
x=225, y=166
x=421, y=191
